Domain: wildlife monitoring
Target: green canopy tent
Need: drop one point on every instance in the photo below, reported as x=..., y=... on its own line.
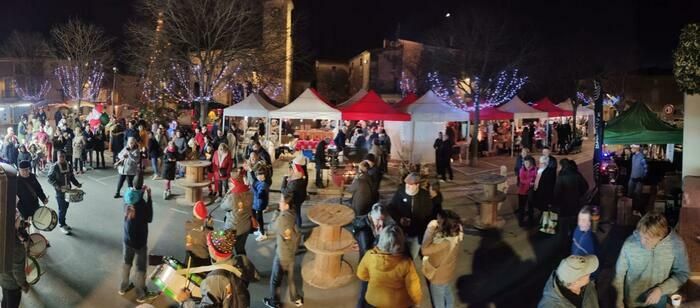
x=638, y=124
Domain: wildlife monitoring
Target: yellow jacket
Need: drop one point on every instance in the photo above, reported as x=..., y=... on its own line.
x=393, y=280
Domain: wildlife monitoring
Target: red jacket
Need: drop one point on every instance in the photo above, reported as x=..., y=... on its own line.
x=527, y=179
x=199, y=138
x=218, y=163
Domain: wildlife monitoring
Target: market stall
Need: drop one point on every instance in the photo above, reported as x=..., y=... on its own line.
x=584, y=114
x=308, y=106
x=552, y=110
x=413, y=141
x=254, y=106
x=495, y=138
x=520, y=111
x=410, y=98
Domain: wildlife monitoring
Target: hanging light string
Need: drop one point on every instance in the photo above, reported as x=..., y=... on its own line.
x=506, y=86
x=32, y=97
x=72, y=82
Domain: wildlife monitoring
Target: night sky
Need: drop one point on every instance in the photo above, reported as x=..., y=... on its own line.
x=334, y=29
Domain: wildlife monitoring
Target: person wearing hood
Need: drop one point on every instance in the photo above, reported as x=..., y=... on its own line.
x=226, y=286
x=287, y=240
x=412, y=208
x=238, y=206
x=652, y=265
x=440, y=247
x=366, y=230
x=138, y=213
x=392, y=279
x=570, y=285
x=361, y=188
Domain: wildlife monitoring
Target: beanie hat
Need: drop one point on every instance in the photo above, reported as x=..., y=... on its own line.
x=222, y=242
x=25, y=164
x=132, y=196
x=574, y=267
x=199, y=210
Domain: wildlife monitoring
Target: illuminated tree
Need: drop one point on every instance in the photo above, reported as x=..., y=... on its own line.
x=31, y=53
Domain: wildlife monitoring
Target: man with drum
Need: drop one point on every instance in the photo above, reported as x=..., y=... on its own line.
x=14, y=282
x=61, y=176
x=29, y=191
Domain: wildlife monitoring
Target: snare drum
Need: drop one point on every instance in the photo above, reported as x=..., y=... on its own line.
x=37, y=245
x=74, y=195
x=45, y=219
x=171, y=283
x=32, y=270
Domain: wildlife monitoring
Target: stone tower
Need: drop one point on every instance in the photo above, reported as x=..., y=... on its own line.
x=277, y=14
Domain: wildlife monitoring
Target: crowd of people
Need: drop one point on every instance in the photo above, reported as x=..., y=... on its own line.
x=390, y=234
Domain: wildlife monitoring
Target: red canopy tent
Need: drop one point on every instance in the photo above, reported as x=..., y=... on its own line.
x=552, y=110
x=407, y=100
x=372, y=107
x=491, y=114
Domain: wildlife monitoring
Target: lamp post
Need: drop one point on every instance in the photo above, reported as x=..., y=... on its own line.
x=114, y=86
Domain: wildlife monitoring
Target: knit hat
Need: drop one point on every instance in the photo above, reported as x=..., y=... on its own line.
x=222, y=242
x=574, y=267
x=199, y=210
x=412, y=178
x=132, y=196
x=25, y=164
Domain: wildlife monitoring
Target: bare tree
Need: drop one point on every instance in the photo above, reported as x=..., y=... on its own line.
x=85, y=49
x=195, y=49
x=31, y=52
x=489, y=74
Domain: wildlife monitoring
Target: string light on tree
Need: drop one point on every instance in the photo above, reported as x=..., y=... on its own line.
x=78, y=87
x=39, y=95
x=407, y=85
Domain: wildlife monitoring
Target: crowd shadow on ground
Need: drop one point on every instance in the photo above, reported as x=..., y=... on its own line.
x=500, y=278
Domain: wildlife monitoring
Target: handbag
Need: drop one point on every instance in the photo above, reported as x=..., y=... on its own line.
x=549, y=221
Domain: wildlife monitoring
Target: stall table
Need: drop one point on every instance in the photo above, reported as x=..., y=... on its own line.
x=194, y=181
x=328, y=241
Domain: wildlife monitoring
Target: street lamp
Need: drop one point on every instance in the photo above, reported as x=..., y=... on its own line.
x=114, y=86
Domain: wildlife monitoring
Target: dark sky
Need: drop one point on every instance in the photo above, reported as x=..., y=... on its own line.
x=338, y=29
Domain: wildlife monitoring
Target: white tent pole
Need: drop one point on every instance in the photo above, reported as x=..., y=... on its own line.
x=280, y=132
x=413, y=136
x=512, y=139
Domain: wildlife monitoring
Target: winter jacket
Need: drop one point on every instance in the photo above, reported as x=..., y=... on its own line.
x=61, y=176
x=639, y=166
x=13, y=279
x=442, y=254
x=552, y=296
x=527, y=179
x=154, y=149
x=320, y=154
x=286, y=249
x=29, y=193
x=418, y=208
x=544, y=193
x=375, y=173
x=638, y=269
x=392, y=280
x=130, y=132
x=239, y=210
x=136, y=229
x=22, y=156
x=570, y=186
x=222, y=165
x=364, y=233
x=362, y=194
x=215, y=285
x=261, y=195
x=298, y=189
x=583, y=243
x=117, y=142
x=99, y=140
x=131, y=161
x=78, y=146
x=181, y=145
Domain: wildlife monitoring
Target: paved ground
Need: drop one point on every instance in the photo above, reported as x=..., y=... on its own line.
x=82, y=270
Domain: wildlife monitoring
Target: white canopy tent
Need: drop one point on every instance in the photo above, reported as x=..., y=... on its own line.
x=307, y=106
x=414, y=140
x=252, y=106
x=581, y=111
x=520, y=110
x=353, y=99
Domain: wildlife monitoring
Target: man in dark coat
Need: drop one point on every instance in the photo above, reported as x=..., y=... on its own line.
x=362, y=191
x=544, y=184
x=29, y=191
x=320, y=160
x=131, y=132
x=14, y=281
x=295, y=185
x=552, y=160
x=569, y=188
x=99, y=146
x=61, y=177
x=436, y=146
x=117, y=141
x=445, y=156
x=366, y=230
x=375, y=173
x=412, y=208
x=340, y=139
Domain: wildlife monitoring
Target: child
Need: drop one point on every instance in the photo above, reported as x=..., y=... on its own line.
x=261, y=195
x=23, y=154
x=138, y=208
x=169, y=167
x=287, y=238
x=584, y=242
x=527, y=176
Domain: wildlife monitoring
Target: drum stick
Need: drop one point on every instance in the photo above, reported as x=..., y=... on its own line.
x=187, y=284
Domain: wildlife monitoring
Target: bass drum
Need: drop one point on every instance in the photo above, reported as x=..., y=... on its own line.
x=45, y=219
x=75, y=195
x=32, y=270
x=37, y=245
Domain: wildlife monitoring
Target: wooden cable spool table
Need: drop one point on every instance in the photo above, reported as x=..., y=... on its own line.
x=328, y=241
x=195, y=180
x=488, y=202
